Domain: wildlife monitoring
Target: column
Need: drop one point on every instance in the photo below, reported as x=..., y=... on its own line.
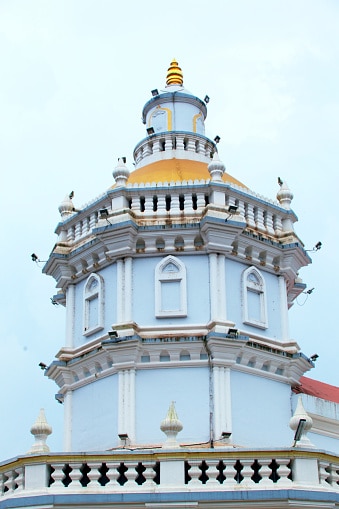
x=128, y=289
x=68, y=421
x=120, y=291
x=221, y=288
x=70, y=315
x=213, y=259
x=283, y=309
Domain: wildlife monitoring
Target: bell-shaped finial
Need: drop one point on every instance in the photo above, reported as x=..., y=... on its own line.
x=174, y=74
x=284, y=195
x=66, y=207
x=216, y=168
x=171, y=426
x=120, y=173
x=40, y=430
x=301, y=423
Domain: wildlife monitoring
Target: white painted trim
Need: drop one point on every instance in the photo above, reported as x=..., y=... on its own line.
x=163, y=277
x=68, y=421
x=88, y=295
x=70, y=315
x=283, y=308
x=258, y=288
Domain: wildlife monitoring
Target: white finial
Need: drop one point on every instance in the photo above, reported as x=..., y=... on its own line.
x=171, y=427
x=66, y=207
x=306, y=423
x=284, y=195
x=40, y=430
x=120, y=173
x=216, y=168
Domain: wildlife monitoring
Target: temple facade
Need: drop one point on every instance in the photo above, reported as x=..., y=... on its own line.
x=179, y=379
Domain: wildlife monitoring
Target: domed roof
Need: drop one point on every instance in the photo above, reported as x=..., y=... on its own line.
x=173, y=170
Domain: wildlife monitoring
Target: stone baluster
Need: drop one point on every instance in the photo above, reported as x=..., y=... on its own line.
x=269, y=223
x=92, y=220
x=194, y=473
x=284, y=470
x=229, y=473
x=149, y=205
x=20, y=478
x=247, y=471
x=148, y=149
x=94, y=474
x=113, y=473
x=249, y=215
x=191, y=145
x=9, y=483
x=277, y=225
x=200, y=201
x=148, y=474
x=76, y=474
x=161, y=203
x=175, y=208
x=323, y=473
x=213, y=473
x=180, y=142
x=334, y=475
x=70, y=234
x=169, y=144
x=259, y=219
x=201, y=147
x=188, y=203
x=77, y=231
x=265, y=472
x=241, y=208
x=135, y=207
x=156, y=146
x=58, y=475
x=131, y=474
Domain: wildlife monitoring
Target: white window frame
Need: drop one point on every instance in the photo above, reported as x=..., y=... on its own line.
x=162, y=277
x=88, y=295
x=258, y=288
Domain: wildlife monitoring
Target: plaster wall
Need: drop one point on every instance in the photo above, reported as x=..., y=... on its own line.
x=157, y=388
x=234, y=299
x=197, y=274
x=182, y=118
x=95, y=415
x=109, y=275
x=261, y=411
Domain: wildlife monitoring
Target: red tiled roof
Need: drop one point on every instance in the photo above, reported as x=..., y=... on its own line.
x=317, y=389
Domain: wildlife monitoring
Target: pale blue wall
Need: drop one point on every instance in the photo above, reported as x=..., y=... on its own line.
x=157, y=388
x=261, y=411
x=95, y=415
x=109, y=275
x=197, y=273
x=182, y=118
x=234, y=270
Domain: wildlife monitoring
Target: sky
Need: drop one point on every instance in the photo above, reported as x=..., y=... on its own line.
x=74, y=77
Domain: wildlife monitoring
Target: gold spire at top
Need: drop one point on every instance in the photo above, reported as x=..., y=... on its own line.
x=174, y=74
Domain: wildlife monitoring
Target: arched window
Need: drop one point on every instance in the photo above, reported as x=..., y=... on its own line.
x=93, y=305
x=254, y=298
x=170, y=288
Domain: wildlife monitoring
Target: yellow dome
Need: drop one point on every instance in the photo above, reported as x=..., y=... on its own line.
x=173, y=170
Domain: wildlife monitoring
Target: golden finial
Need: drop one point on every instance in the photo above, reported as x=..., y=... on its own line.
x=174, y=74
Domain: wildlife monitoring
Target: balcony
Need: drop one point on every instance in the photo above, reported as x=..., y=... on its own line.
x=158, y=474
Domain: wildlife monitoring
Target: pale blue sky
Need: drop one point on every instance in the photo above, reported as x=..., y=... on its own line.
x=74, y=76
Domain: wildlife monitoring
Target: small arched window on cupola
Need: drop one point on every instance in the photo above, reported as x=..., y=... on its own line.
x=170, y=288
x=93, y=319
x=254, y=298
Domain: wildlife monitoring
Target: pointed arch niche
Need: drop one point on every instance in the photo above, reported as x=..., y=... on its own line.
x=170, y=288
x=254, y=298
x=93, y=318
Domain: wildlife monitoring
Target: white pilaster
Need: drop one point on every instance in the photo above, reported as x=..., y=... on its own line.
x=70, y=315
x=68, y=421
x=213, y=258
x=128, y=289
x=283, y=309
x=120, y=291
x=222, y=401
x=126, y=412
x=221, y=287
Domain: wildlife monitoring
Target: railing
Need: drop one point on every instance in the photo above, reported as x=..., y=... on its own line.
x=189, y=470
